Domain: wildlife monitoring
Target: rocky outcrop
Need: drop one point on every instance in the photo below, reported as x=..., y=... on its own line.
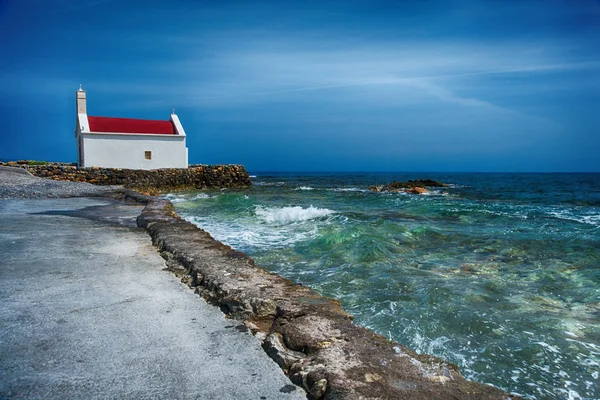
x=147, y=181
x=417, y=190
x=312, y=339
x=412, y=186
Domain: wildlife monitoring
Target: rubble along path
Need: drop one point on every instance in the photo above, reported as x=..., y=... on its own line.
x=88, y=311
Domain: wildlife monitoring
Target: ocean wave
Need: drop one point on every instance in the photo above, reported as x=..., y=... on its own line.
x=304, y=188
x=593, y=219
x=287, y=215
x=508, y=214
x=174, y=198
x=180, y=198
x=349, y=189
x=428, y=258
x=264, y=183
x=250, y=236
x=435, y=193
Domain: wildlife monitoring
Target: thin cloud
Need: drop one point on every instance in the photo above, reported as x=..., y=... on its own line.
x=535, y=68
x=265, y=67
x=412, y=80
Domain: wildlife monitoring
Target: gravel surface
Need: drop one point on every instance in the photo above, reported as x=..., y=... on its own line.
x=17, y=183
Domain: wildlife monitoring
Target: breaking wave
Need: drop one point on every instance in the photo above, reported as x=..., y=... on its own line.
x=590, y=219
x=288, y=215
x=349, y=189
x=180, y=198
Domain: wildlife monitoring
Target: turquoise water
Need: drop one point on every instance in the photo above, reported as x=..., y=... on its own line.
x=498, y=273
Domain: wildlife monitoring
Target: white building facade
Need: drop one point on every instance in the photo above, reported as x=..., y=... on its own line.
x=108, y=142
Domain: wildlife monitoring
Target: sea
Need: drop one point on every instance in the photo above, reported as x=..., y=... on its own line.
x=497, y=273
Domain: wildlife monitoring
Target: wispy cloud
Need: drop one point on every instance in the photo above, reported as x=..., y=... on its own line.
x=414, y=80
x=255, y=74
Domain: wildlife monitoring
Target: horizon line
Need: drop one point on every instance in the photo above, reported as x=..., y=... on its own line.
x=290, y=171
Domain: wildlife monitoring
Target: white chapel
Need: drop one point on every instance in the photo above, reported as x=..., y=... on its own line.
x=128, y=143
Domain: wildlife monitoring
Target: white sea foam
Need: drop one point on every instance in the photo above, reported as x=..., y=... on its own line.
x=437, y=192
x=304, y=188
x=513, y=214
x=250, y=236
x=252, y=176
x=348, y=189
x=247, y=234
x=553, y=349
x=593, y=219
x=573, y=395
x=180, y=198
x=263, y=183
x=287, y=215
x=176, y=200
x=590, y=346
x=201, y=196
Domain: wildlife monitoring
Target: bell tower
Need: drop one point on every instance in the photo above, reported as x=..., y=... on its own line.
x=82, y=124
x=81, y=101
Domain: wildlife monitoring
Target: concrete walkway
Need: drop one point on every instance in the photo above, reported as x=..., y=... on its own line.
x=86, y=311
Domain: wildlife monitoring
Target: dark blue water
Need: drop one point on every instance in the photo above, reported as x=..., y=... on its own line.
x=498, y=273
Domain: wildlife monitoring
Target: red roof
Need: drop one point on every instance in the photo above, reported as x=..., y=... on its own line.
x=130, y=125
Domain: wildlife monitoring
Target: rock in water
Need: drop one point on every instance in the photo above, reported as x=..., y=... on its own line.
x=412, y=186
x=417, y=190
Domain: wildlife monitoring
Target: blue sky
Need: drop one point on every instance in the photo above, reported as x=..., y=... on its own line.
x=482, y=85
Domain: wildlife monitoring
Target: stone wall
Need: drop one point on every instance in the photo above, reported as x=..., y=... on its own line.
x=147, y=181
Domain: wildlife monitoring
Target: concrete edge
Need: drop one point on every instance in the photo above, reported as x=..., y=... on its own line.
x=309, y=336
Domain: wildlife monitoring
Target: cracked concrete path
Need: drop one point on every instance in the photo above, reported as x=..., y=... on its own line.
x=87, y=311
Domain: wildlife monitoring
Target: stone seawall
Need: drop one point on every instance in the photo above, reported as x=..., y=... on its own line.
x=311, y=338
x=146, y=181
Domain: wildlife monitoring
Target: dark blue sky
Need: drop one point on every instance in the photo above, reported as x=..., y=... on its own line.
x=481, y=85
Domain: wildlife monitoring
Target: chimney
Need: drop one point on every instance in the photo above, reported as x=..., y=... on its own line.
x=81, y=101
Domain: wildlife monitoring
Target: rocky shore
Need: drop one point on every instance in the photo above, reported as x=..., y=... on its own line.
x=311, y=338
x=146, y=181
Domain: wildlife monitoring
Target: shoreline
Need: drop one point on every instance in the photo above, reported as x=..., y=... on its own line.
x=309, y=336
